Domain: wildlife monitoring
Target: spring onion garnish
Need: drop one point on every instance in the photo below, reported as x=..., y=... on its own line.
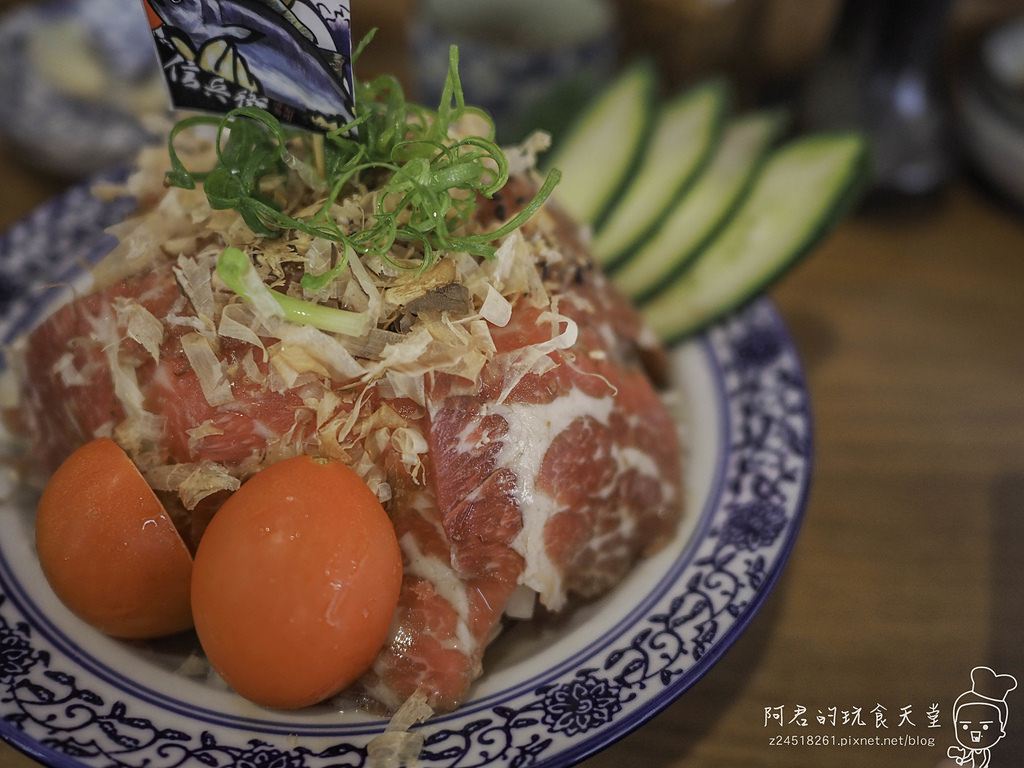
x=240, y=276
x=428, y=181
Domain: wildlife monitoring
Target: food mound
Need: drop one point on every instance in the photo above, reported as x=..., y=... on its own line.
x=501, y=399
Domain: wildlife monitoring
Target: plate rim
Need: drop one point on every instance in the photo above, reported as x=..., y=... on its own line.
x=580, y=749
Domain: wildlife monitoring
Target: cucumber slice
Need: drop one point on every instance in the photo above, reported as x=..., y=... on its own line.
x=684, y=133
x=802, y=191
x=695, y=218
x=601, y=149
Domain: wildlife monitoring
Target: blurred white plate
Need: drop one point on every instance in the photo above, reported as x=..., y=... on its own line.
x=989, y=100
x=78, y=79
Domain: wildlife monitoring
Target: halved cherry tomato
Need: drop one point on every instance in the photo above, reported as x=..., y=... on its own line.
x=108, y=547
x=295, y=583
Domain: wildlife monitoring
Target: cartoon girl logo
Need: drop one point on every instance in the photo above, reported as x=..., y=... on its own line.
x=979, y=716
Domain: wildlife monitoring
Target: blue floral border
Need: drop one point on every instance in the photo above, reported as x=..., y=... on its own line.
x=49, y=711
x=41, y=255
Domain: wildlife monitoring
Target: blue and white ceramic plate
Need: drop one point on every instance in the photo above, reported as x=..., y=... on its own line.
x=78, y=80
x=552, y=694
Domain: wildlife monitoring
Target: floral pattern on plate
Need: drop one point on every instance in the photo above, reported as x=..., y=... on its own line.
x=555, y=692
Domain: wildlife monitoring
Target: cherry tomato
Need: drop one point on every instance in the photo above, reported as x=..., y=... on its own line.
x=295, y=583
x=108, y=547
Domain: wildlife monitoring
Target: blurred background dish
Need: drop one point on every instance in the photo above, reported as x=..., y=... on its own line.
x=78, y=81
x=989, y=101
x=530, y=63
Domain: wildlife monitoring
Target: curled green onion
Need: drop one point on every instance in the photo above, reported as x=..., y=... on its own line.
x=407, y=146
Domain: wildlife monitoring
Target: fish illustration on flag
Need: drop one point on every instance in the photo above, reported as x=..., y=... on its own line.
x=290, y=57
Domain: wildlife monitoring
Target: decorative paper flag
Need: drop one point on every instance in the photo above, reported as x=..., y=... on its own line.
x=290, y=57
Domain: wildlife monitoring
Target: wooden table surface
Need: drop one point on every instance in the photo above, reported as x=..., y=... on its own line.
x=908, y=571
